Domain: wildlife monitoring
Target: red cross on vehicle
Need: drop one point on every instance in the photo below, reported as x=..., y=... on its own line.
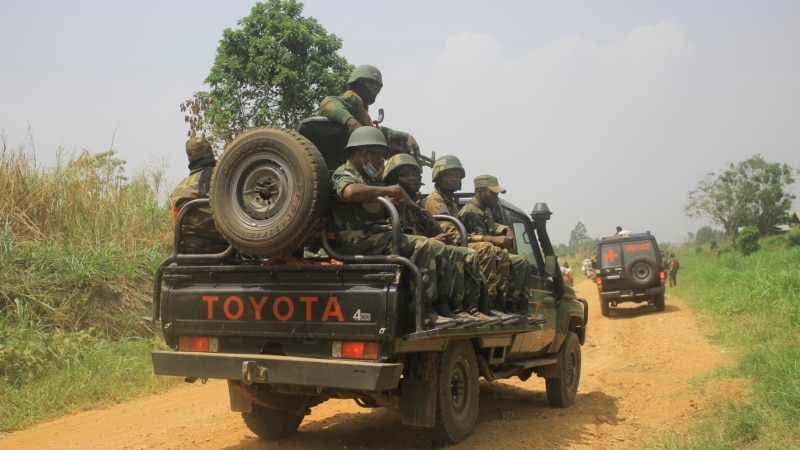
x=611, y=255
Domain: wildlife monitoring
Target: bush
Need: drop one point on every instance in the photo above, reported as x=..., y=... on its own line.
x=794, y=238
x=748, y=241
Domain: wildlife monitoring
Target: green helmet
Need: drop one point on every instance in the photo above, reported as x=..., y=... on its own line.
x=366, y=72
x=447, y=162
x=368, y=137
x=396, y=162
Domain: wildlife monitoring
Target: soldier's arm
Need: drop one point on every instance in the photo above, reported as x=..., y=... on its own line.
x=335, y=109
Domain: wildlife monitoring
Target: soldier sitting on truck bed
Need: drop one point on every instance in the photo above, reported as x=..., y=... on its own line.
x=360, y=226
x=479, y=222
x=404, y=170
x=447, y=175
x=351, y=108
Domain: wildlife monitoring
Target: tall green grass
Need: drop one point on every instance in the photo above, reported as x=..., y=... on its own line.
x=79, y=243
x=750, y=305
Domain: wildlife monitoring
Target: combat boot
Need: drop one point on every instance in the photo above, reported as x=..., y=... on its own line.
x=430, y=319
x=505, y=318
x=463, y=320
x=485, y=321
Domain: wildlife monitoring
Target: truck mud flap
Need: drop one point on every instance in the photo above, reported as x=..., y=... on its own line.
x=330, y=373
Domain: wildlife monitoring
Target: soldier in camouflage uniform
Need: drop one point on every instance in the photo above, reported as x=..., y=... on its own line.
x=480, y=225
x=198, y=233
x=404, y=170
x=360, y=226
x=492, y=260
x=351, y=108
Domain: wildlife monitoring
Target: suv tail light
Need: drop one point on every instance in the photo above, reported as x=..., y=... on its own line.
x=599, y=282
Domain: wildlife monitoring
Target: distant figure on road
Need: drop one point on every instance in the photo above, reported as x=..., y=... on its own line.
x=674, y=265
x=566, y=272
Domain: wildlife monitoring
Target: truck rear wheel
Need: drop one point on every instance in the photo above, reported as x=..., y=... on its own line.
x=457, y=393
x=561, y=391
x=268, y=423
x=659, y=302
x=605, y=307
x=269, y=192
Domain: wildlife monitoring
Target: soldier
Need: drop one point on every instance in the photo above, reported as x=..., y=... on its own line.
x=566, y=272
x=360, y=226
x=351, y=108
x=404, y=170
x=493, y=261
x=479, y=222
x=674, y=265
x=198, y=232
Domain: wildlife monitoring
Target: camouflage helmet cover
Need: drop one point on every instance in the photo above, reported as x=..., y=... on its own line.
x=445, y=163
x=398, y=161
x=198, y=147
x=369, y=137
x=366, y=72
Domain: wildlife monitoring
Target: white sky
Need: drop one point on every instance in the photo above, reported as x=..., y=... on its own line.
x=609, y=111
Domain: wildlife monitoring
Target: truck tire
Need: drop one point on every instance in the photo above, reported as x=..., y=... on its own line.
x=605, y=307
x=457, y=393
x=268, y=423
x=659, y=302
x=561, y=391
x=641, y=272
x=269, y=192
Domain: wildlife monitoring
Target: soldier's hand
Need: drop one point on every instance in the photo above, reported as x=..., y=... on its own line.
x=352, y=125
x=447, y=237
x=412, y=147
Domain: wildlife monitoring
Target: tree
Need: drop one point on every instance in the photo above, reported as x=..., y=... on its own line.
x=704, y=235
x=577, y=236
x=751, y=193
x=273, y=70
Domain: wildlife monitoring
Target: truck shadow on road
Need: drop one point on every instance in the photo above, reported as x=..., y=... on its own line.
x=513, y=414
x=627, y=310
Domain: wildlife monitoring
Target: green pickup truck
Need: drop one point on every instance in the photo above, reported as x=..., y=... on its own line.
x=290, y=323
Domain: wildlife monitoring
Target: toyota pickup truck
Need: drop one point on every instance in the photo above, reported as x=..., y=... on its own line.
x=290, y=323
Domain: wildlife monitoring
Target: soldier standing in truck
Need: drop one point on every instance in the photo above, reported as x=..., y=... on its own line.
x=198, y=233
x=351, y=108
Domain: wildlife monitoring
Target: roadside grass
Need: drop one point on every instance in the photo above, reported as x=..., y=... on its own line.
x=750, y=305
x=79, y=244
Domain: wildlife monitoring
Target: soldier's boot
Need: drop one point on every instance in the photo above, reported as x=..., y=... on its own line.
x=520, y=307
x=431, y=319
x=462, y=319
x=485, y=321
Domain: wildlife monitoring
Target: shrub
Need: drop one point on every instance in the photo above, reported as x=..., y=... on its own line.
x=794, y=238
x=748, y=241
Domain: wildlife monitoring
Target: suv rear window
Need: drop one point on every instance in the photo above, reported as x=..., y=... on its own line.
x=610, y=253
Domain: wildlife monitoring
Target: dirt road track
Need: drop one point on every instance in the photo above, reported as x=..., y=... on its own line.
x=637, y=381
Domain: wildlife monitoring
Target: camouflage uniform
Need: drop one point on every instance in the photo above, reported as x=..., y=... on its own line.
x=474, y=218
x=486, y=255
x=342, y=107
x=362, y=228
x=198, y=232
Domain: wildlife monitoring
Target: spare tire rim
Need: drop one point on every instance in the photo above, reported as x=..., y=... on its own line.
x=264, y=187
x=641, y=271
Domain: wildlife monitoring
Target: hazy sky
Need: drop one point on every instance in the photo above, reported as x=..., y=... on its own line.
x=609, y=111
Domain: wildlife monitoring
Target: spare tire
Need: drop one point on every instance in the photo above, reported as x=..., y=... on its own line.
x=641, y=272
x=269, y=192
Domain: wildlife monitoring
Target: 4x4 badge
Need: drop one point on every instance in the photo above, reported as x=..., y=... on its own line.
x=611, y=255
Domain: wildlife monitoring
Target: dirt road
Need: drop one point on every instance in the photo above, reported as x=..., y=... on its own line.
x=638, y=368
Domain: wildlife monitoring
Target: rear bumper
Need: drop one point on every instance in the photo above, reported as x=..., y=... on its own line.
x=342, y=374
x=624, y=296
